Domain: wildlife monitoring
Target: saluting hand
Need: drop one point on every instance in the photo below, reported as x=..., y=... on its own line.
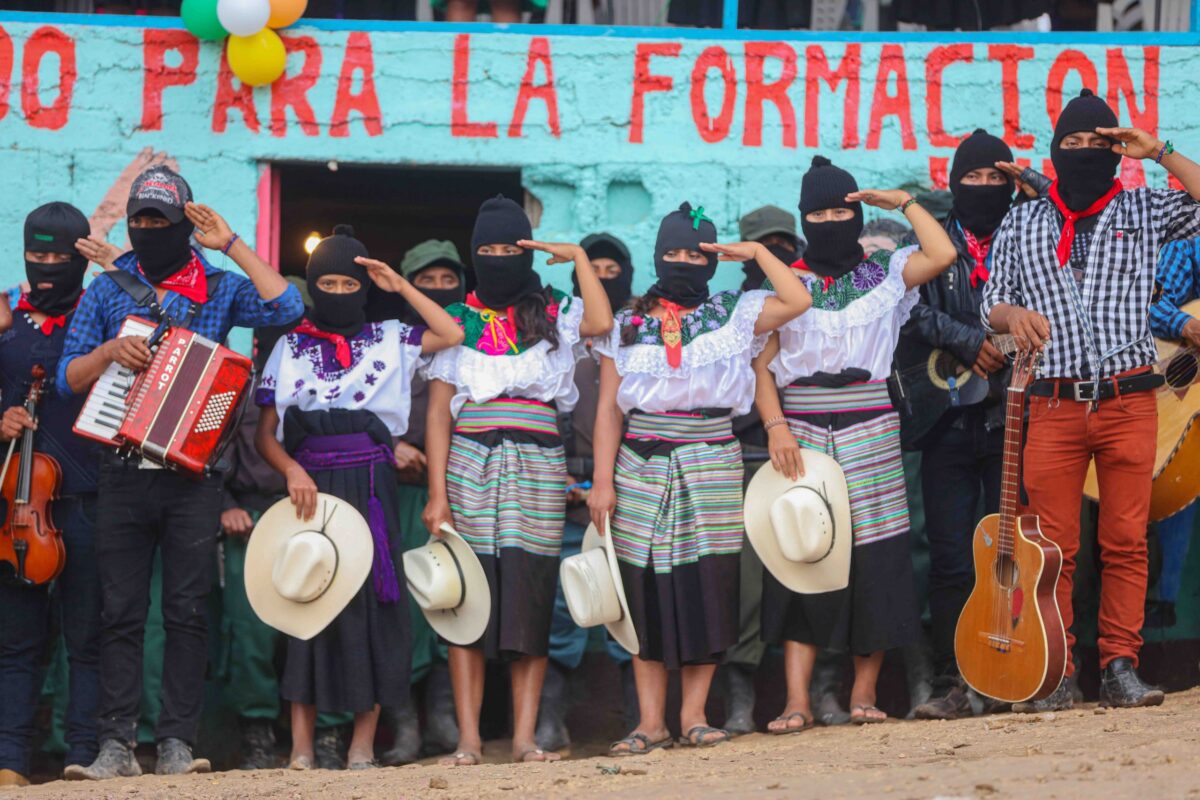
x=98, y=251
x=381, y=274
x=1132, y=142
x=735, y=251
x=212, y=231
x=560, y=252
x=887, y=199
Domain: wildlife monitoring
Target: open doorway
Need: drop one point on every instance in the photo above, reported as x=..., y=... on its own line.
x=391, y=208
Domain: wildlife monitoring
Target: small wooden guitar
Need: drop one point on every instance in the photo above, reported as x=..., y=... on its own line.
x=1010, y=642
x=1177, y=458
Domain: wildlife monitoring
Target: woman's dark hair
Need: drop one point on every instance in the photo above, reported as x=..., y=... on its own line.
x=530, y=319
x=640, y=307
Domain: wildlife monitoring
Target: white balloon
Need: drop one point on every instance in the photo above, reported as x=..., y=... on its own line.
x=243, y=17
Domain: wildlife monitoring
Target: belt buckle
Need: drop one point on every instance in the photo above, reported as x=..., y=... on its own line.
x=1085, y=392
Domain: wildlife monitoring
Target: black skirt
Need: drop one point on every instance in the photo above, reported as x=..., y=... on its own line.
x=363, y=657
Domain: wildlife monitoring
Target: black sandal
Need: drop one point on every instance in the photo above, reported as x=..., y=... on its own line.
x=787, y=729
x=639, y=744
x=695, y=736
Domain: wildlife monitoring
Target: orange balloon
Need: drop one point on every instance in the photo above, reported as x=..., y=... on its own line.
x=286, y=12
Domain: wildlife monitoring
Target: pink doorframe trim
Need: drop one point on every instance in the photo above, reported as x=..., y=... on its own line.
x=266, y=239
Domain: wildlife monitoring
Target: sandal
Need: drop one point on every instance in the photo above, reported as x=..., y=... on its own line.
x=461, y=755
x=788, y=729
x=638, y=744
x=695, y=736
x=543, y=757
x=865, y=717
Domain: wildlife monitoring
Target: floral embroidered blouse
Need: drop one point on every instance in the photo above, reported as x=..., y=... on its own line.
x=304, y=371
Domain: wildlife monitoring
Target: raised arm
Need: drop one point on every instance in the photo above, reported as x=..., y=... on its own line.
x=606, y=441
x=214, y=233
x=1136, y=143
x=443, y=332
x=597, y=313
x=936, y=251
x=791, y=298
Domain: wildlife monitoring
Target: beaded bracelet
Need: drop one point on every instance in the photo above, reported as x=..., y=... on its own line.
x=1167, y=149
x=232, y=239
x=906, y=204
x=774, y=422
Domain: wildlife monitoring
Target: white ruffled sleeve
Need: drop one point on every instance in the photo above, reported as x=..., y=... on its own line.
x=442, y=366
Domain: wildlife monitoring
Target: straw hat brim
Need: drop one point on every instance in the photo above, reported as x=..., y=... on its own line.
x=824, y=475
x=622, y=630
x=464, y=625
x=351, y=536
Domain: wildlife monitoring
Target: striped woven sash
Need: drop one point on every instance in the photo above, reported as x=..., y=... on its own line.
x=871, y=396
x=507, y=414
x=679, y=426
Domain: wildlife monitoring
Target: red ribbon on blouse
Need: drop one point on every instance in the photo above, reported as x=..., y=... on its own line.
x=672, y=332
x=49, y=323
x=1067, y=237
x=191, y=281
x=341, y=343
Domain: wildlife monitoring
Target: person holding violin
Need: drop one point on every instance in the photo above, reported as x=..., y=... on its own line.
x=55, y=269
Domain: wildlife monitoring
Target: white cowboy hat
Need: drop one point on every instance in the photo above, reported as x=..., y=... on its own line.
x=591, y=584
x=448, y=583
x=301, y=574
x=801, y=529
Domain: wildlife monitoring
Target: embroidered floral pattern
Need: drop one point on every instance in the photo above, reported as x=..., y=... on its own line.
x=708, y=317
x=479, y=331
x=856, y=283
x=322, y=355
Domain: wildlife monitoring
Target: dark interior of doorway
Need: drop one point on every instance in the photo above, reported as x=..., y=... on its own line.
x=391, y=208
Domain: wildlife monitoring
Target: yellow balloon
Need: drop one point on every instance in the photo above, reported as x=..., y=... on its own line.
x=259, y=59
x=286, y=12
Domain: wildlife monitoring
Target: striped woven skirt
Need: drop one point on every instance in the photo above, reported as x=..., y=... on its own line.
x=677, y=531
x=858, y=427
x=506, y=482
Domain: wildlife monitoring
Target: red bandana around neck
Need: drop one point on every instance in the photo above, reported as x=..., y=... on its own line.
x=191, y=281
x=49, y=323
x=978, y=248
x=1067, y=237
x=826, y=280
x=341, y=343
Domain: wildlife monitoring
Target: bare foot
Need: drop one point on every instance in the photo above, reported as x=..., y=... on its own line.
x=461, y=758
x=301, y=761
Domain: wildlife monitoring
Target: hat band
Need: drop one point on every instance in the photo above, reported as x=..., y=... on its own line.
x=462, y=578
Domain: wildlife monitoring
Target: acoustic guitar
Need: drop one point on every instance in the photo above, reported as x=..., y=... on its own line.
x=1010, y=642
x=1177, y=457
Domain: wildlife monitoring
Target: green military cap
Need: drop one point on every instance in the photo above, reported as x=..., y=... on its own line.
x=762, y=222
x=430, y=253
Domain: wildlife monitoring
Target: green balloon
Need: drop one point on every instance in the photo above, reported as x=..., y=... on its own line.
x=200, y=17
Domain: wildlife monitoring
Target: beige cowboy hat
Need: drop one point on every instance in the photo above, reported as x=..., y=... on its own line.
x=449, y=585
x=801, y=529
x=591, y=584
x=301, y=574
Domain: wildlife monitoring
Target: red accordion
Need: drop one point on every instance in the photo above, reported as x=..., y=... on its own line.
x=180, y=411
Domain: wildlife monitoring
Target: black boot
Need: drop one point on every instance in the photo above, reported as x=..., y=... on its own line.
x=739, y=699
x=948, y=701
x=632, y=711
x=115, y=760
x=406, y=743
x=553, y=705
x=825, y=688
x=258, y=744
x=441, y=726
x=1120, y=687
x=1058, y=700
x=327, y=747
x=175, y=758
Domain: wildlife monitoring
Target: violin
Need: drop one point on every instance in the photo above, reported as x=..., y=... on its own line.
x=31, y=548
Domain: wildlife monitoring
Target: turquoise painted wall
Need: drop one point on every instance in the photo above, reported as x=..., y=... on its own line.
x=892, y=119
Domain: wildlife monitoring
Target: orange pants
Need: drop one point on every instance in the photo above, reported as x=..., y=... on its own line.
x=1064, y=436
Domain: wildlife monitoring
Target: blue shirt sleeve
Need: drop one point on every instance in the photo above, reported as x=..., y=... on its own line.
x=249, y=310
x=87, y=329
x=1176, y=275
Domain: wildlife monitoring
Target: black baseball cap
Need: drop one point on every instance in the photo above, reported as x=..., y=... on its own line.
x=160, y=189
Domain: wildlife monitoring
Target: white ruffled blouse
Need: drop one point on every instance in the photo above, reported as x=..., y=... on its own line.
x=714, y=371
x=537, y=373
x=855, y=324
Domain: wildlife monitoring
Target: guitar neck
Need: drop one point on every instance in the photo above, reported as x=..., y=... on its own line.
x=1010, y=482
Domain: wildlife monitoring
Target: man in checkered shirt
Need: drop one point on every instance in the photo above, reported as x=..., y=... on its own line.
x=1073, y=275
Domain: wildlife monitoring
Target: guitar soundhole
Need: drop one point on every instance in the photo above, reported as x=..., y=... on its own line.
x=1006, y=571
x=1181, y=371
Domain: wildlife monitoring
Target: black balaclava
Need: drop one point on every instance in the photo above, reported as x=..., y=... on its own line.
x=755, y=277
x=605, y=245
x=1084, y=174
x=54, y=228
x=443, y=297
x=342, y=314
x=679, y=282
x=981, y=208
x=833, y=248
x=161, y=252
x=502, y=280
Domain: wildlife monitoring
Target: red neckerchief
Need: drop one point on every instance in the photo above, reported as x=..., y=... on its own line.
x=826, y=280
x=191, y=281
x=1067, y=237
x=978, y=248
x=672, y=332
x=49, y=323
x=341, y=343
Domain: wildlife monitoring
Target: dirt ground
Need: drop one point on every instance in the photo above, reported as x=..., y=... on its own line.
x=1149, y=754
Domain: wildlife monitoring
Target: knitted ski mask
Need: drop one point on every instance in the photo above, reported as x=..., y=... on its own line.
x=679, y=282
x=161, y=252
x=53, y=228
x=341, y=314
x=980, y=208
x=1084, y=174
x=620, y=288
x=833, y=248
x=502, y=280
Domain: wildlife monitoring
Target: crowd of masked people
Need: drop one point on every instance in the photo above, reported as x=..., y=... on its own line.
x=521, y=411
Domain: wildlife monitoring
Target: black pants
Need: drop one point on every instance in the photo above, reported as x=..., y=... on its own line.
x=140, y=510
x=961, y=465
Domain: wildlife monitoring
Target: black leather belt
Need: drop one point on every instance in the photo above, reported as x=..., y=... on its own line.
x=1085, y=391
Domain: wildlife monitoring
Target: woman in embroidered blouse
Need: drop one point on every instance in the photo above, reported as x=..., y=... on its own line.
x=831, y=366
x=497, y=470
x=679, y=365
x=335, y=392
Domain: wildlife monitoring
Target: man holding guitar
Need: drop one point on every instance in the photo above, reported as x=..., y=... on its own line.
x=143, y=508
x=1073, y=274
